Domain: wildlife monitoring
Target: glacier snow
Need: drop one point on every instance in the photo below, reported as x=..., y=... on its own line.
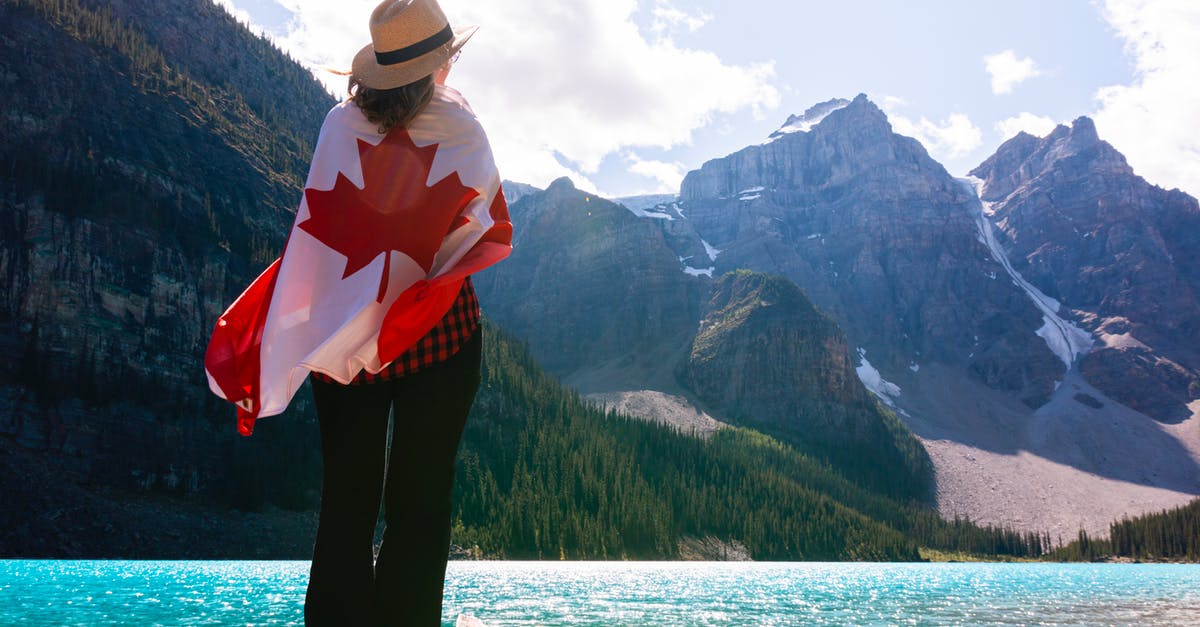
x=1064, y=338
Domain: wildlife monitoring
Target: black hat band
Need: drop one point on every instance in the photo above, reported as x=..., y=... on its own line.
x=408, y=53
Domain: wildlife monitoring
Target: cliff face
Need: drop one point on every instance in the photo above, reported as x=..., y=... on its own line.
x=881, y=238
x=588, y=283
x=147, y=173
x=1121, y=255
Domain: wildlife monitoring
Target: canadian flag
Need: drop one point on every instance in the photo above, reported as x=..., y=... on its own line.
x=388, y=229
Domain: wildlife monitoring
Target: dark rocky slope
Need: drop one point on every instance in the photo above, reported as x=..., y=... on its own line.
x=148, y=171
x=588, y=283
x=1120, y=254
x=881, y=238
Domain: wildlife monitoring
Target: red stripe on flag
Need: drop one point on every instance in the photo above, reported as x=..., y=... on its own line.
x=419, y=308
x=234, y=353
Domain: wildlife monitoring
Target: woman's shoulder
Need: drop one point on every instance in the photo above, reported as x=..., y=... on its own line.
x=346, y=115
x=452, y=98
x=448, y=115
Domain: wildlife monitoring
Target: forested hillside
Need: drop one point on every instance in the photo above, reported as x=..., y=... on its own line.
x=544, y=475
x=1169, y=535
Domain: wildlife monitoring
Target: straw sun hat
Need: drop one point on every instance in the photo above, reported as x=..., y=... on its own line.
x=410, y=39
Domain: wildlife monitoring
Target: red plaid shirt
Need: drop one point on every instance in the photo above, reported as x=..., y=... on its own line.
x=440, y=344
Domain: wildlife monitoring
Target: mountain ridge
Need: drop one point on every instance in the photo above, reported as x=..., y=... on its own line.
x=761, y=208
x=1117, y=251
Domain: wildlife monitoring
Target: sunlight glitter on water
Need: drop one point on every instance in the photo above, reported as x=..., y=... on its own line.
x=64, y=592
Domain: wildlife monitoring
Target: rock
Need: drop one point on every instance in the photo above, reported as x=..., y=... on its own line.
x=591, y=282
x=880, y=237
x=1122, y=256
x=712, y=549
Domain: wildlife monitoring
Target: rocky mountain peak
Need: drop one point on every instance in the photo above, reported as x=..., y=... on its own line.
x=1025, y=157
x=849, y=140
x=1118, y=251
x=811, y=117
x=860, y=114
x=1083, y=132
x=561, y=185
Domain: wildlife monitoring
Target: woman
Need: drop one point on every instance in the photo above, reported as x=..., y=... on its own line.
x=397, y=86
x=372, y=294
x=430, y=387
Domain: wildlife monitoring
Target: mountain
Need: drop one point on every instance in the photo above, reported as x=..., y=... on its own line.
x=928, y=289
x=144, y=186
x=514, y=191
x=764, y=356
x=1122, y=256
x=591, y=287
x=1029, y=419
x=543, y=474
x=882, y=238
x=605, y=301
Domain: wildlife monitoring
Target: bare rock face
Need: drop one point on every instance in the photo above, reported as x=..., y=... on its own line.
x=1121, y=254
x=881, y=238
x=587, y=283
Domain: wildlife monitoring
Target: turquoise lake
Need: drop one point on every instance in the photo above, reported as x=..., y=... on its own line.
x=110, y=592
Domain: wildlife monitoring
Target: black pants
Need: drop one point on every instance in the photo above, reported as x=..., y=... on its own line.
x=404, y=586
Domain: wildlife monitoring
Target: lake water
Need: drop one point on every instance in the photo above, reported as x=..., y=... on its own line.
x=108, y=592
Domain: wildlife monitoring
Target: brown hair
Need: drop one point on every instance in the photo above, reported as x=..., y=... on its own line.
x=391, y=108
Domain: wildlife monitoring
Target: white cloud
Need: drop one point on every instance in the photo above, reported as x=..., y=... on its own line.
x=667, y=16
x=1038, y=125
x=668, y=175
x=1154, y=120
x=576, y=79
x=1007, y=70
x=239, y=14
x=953, y=137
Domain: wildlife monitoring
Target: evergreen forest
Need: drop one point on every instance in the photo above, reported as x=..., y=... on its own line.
x=544, y=474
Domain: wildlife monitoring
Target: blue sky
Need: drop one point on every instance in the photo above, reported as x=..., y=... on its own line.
x=625, y=96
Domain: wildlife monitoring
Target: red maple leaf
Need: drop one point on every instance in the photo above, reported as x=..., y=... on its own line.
x=394, y=210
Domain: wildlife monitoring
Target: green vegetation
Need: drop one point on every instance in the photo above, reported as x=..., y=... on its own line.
x=813, y=401
x=110, y=152
x=545, y=475
x=1170, y=535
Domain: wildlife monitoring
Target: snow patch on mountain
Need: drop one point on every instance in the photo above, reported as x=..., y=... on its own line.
x=810, y=118
x=648, y=206
x=1064, y=338
x=753, y=193
x=708, y=272
x=870, y=377
x=712, y=252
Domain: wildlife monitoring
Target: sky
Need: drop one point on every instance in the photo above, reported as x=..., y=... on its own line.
x=626, y=96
